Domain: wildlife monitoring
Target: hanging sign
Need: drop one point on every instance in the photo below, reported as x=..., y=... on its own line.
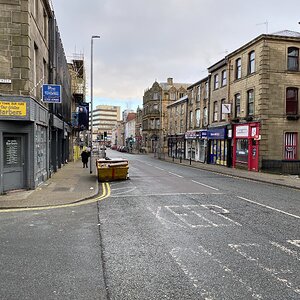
x=51, y=93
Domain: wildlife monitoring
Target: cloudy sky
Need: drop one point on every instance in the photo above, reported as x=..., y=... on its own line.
x=147, y=40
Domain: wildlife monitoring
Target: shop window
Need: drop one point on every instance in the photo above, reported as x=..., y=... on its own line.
x=251, y=62
x=242, y=150
x=238, y=68
x=291, y=101
x=293, y=59
x=290, y=145
x=250, y=102
x=224, y=78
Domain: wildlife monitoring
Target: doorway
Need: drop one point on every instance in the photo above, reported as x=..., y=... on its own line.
x=13, y=162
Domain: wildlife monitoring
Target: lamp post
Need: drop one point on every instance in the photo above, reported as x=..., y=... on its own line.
x=93, y=37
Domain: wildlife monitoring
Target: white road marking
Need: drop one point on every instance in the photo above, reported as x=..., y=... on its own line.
x=161, y=219
x=176, y=174
x=120, y=193
x=208, y=186
x=295, y=242
x=121, y=188
x=159, y=168
x=275, y=273
x=269, y=207
x=179, y=254
x=286, y=250
x=166, y=194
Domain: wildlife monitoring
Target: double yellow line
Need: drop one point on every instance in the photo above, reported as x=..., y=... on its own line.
x=105, y=193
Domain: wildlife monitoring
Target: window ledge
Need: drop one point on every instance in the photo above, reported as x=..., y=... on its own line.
x=292, y=117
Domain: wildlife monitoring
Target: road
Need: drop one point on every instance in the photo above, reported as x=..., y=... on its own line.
x=169, y=232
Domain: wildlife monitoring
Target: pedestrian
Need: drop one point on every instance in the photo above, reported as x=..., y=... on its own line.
x=85, y=158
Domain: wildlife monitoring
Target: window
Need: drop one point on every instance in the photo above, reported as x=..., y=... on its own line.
x=250, y=103
x=198, y=93
x=45, y=23
x=182, y=109
x=238, y=68
x=291, y=101
x=206, y=90
x=205, y=116
x=152, y=123
x=181, y=125
x=155, y=107
x=216, y=81
x=197, y=117
x=223, y=116
x=191, y=119
x=224, y=78
x=157, y=125
x=251, y=62
x=155, y=96
x=181, y=95
x=293, y=59
x=290, y=145
x=172, y=96
x=237, y=105
x=215, y=112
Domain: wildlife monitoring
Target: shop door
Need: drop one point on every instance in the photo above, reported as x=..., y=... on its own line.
x=253, y=157
x=13, y=162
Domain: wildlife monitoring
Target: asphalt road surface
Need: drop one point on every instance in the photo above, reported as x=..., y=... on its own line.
x=169, y=232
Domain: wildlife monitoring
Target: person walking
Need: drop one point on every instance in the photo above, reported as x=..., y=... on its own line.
x=85, y=158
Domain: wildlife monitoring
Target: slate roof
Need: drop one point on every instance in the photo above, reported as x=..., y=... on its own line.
x=287, y=33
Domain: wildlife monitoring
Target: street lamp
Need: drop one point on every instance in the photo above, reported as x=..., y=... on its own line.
x=93, y=37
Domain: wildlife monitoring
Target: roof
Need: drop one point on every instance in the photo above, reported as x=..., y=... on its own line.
x=181, y=100
x=165, y=86
x=287, y=33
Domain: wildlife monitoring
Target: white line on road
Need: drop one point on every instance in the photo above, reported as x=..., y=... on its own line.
x=166, y=194
x=208, y=186
x=176, y=174
x=269, y=207
x=159, y=168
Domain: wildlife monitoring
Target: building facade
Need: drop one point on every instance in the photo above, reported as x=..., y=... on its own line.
x=155, y=117
x=34, y=135
x=105, y=118
x=264, y=90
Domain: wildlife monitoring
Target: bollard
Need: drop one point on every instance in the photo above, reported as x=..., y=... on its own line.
x=180, y=159
x=190, y=160
x=173, y=157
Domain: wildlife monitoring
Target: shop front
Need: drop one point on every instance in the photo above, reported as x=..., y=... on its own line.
x=176, y=146
x=219, y=146
x=196, y=144
x=246, y=146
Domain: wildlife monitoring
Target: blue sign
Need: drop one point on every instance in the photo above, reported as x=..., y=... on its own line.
x=51, y=93
x=216, y=134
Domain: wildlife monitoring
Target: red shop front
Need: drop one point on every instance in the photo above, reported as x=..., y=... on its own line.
x=246, y=146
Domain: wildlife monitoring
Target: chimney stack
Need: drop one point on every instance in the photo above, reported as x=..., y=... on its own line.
x=170, y=81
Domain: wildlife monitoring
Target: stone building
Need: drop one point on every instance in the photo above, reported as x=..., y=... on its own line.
x=155, y=117
x=34, y=135
x=177, y=127
x=219, y=129
x=264, y=82
x=197, y=120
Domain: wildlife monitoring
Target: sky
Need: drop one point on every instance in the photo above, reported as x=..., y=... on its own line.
x=146, y=40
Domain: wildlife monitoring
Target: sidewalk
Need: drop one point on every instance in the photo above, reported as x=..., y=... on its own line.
x=69, y=184
x=291, y=181
x=73, y=183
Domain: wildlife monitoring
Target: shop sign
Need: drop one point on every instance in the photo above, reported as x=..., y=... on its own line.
x=12, y=109
x=204, y=134
x=216, y=134
x=242, y=131
x=192, y=134
x=51, y=93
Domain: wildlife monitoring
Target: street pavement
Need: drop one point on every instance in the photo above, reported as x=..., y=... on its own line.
x=73, y=183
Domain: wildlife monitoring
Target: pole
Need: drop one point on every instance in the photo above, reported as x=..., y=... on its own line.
x=93, y=37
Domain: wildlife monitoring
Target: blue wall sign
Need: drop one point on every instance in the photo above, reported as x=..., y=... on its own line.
x=51, y=93
x=216, y=134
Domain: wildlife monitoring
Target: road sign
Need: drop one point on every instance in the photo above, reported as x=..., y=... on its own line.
x=51, y=93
